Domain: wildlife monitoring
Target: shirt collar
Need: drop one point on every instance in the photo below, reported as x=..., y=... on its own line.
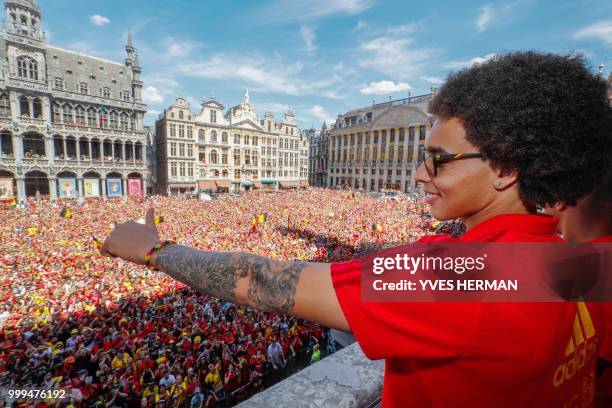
x=526, y=223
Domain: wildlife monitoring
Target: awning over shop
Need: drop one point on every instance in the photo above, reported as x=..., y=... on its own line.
x=182, y=185
x=289, y=183
x=223, y=183
x=207, y=184
x=248, y=184
x=268, y=181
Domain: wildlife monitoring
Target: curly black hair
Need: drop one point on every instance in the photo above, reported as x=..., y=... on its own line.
x=544, y=115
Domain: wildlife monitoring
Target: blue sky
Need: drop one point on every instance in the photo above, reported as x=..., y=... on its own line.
x=319, y=57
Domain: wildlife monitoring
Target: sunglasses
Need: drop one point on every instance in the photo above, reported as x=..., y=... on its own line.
x=433, y=160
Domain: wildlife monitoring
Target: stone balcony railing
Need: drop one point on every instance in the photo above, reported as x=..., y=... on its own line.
x=346, y=379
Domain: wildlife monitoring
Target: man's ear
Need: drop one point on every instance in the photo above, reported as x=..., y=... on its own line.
x=560, y=206
x=505, y=179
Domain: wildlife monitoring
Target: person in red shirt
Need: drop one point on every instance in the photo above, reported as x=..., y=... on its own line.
x=590, y=220
x=504, y=144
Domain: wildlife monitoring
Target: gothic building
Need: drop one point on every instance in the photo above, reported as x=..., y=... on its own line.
x=71, y=125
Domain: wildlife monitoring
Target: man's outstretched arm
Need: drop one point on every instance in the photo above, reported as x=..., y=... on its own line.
x=302, y=289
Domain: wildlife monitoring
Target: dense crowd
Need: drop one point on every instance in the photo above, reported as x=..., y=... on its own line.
x=117, y=334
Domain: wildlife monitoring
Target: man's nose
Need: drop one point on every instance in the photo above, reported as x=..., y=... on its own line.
x=422, y=176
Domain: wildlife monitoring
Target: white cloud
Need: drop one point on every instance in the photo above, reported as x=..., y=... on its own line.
x=260, y=73
x=601, y=31
x=485, y=17
x=361, y=25
x=151, y=95
x=176, y=48
x=470, y=62
x=318, y=112
x=300, y=10
x=384, y=88
x=499, y=13
x=395, y=53
x=99, y=20
x=309, y=36
x=433, y=80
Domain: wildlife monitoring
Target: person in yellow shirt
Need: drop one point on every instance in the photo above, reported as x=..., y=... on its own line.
x=214, y=378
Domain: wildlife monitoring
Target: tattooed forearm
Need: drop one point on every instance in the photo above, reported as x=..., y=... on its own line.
x=271, y=284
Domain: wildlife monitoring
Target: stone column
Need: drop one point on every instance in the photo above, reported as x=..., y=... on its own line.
x=123, y=151
x=124, y=184
x=21, y=193
x=17, y=146
x=53, y=188
x=80, y=189
x=144, y=187
x=103, y=180
x=113, y=150
x=31, y=107
x=78, y=149
x=49, y=150
x=89, y=148
x=134, y=151
x=64, y=144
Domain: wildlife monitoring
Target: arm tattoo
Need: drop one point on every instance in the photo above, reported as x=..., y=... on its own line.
x=271, y=284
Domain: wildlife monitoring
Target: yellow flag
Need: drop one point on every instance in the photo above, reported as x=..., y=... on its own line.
x=32, y=230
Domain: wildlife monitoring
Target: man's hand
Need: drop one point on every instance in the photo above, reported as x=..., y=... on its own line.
x=131, y=241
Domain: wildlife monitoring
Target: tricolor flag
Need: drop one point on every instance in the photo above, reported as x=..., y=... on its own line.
x=377, y=228
x=66, y=213
x=158, y=219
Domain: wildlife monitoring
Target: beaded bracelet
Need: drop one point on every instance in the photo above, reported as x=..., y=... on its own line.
x=156, y=247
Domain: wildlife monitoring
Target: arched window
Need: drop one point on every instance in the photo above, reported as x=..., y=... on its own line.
x=91, y=117
x=225, y=173
x=213, y=136
x=124, y=121
x=57, y=118
x=24, y=107
x=216, y=173
x=5, y=105
x=224, y=137
x=132, y=122
x=27, y=68
x=80, y=115
x=214, y=157
x=113, y=120
x=180, y=114
x=67, y=113
x=201, y=136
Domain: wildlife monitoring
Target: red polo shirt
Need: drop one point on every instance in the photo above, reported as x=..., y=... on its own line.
x=478, y=354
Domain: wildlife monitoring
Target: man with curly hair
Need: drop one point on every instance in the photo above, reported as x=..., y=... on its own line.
x=520, y=131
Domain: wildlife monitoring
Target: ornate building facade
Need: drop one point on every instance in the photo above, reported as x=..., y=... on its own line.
x=317, y=159
x=71, y=125
x=378, y=147
x=223, y=151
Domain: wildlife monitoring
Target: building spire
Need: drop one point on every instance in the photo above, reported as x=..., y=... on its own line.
x=129, y=40
x=136, y=60
x=247, y=97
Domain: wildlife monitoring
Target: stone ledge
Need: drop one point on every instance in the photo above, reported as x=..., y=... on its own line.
x=346, y=379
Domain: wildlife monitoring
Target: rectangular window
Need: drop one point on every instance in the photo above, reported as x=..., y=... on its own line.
x=58, y=83
x=172, y=130
x=236, y=138
x=173, y=169
x=181, y=129
x=213, y=116
x=83, y=88
x=422, y=133
x=224, y=157
x=182, y=169
x=125, y=95
x=190, y=170
x=106, y=92
x=182, y=149
x=173, y=149
x=190, y=150
x=189, y=132
x=237, y=157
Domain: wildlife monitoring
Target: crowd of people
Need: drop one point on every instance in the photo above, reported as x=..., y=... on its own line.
x=116, y=334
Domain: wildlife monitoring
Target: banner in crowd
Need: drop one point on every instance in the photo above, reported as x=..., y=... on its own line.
x=91, y=187
x=6, y=188
x=67, y=187
x=134, y=187
x=113, y=187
